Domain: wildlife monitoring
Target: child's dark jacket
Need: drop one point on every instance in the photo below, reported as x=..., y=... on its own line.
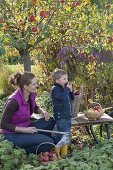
x=61, y=101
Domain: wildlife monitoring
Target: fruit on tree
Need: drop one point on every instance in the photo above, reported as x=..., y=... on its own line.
x=110, y=40
x=62, y=1
x=44, y=14
x=34, y=29
x=31, y=18
x=92, y=59
x=76, y=3
x=1, y=20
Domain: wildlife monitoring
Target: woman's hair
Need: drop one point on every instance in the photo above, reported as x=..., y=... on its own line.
x=58, y=73
x=21, y=79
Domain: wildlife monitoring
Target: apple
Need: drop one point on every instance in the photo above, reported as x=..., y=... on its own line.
x=97, y=108
x=91, y=110
x=45, y=158
x=92, y=59
x=1, y=20
x=76, y=3
x=31, y=18
x=46, y=153
x=41, y=157
x=52, y=154
x=62, y=1
x=34, y=29
x=53, y=158
x=41, y=13
x=44, y=14
x=96, y=111
x=110, y=40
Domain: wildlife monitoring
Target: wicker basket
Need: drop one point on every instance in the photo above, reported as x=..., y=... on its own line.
x=55, y=148
x=94, y=111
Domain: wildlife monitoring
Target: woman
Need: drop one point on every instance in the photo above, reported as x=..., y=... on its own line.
x=16, y=123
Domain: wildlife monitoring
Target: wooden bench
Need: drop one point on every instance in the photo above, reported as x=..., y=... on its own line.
x=81, y=120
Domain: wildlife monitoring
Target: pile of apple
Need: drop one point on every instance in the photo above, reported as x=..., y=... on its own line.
x=95, y=109
x=46, y=157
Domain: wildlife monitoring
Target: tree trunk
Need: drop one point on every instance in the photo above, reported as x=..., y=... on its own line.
x=26, y=60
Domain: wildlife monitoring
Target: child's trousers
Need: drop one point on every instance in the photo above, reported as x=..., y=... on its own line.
x=63, y=125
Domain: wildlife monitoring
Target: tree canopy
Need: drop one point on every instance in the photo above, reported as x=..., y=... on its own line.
x=49, y=25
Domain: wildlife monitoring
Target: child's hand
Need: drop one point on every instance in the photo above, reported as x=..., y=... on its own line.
x=69, y=85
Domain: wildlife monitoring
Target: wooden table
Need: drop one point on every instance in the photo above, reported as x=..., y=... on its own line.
x=81, y=120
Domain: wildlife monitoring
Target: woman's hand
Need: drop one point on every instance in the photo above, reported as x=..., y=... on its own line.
x=44, y=114
x=26, y=129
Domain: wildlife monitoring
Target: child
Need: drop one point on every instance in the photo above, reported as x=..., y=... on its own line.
x=61, y=94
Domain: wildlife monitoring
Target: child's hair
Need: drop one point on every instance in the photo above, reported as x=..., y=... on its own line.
x=21, y=79
x=58, y=73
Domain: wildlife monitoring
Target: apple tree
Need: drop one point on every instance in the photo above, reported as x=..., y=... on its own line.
x=82, y=42
x=24, y=24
